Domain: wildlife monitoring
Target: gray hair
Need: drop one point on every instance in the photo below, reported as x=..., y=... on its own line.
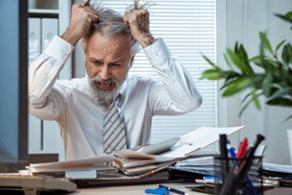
x=112, y=22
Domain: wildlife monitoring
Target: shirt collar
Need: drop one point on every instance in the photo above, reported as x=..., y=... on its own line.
x=120, y=96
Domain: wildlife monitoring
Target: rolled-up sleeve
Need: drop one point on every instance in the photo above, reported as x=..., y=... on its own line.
x=176, y=92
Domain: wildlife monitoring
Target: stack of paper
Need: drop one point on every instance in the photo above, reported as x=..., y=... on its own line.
x=100, y=163
x=270, y=169
x=138, y=163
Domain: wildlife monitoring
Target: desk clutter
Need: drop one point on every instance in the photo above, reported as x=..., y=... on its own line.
x=179, y=159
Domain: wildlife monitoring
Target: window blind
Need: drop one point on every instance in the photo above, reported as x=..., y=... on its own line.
x=189, y=29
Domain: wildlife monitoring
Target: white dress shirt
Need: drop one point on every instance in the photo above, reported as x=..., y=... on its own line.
x=80, y=115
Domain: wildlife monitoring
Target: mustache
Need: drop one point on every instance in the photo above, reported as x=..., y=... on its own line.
x=111, y=80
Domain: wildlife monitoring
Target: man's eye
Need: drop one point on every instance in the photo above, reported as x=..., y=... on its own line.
x=116, y=65
x=97, y=62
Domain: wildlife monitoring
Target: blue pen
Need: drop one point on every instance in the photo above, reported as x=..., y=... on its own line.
x=160, y=191
x=230, y=149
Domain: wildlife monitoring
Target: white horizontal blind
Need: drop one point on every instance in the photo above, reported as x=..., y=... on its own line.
x=189, y=29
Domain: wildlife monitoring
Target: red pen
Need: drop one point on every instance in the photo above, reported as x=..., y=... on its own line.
x=241, y=154
x=242, y=149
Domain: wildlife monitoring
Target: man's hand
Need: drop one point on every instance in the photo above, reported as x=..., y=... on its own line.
x=138, y=20
x=82, y=17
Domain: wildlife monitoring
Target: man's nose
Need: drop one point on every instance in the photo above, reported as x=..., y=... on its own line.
x=104, y=72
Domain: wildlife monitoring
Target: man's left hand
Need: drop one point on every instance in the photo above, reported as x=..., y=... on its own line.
x=138, y=20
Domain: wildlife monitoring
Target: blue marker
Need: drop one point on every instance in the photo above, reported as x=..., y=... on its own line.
x=159, y=191
x=230, y=149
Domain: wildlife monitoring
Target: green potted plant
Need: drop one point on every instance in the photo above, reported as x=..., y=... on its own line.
x=274, y=82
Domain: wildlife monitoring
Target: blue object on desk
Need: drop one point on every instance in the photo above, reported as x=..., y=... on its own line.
x=159, y=191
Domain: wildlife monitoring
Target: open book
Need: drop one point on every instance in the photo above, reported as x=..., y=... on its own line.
x=139, y=163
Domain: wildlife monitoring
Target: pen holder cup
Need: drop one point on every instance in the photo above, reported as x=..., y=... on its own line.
x=232, y=179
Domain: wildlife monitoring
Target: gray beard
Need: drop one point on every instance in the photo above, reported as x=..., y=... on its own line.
x=106, y=97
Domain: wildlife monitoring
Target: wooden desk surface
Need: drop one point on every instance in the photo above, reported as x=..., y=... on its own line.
x=132, y=189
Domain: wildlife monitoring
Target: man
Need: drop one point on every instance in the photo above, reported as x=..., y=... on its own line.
x=81, y=106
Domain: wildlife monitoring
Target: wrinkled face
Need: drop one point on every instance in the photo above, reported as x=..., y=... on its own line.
x=107, y=60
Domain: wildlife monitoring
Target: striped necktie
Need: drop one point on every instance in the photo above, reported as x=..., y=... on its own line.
x=114, y=131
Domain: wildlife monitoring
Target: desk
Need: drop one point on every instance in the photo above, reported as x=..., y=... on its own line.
x=132, y=189
x=140, y=190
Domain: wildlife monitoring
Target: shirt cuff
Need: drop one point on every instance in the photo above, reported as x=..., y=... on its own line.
x=59, y=48
x=157, y=53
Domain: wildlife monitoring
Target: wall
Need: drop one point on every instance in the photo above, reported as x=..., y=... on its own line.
x=244, y=21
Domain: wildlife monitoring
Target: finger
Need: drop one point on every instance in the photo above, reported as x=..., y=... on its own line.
x=91, y=10
x=94, y=17
x=87, y=3
x=126, y=19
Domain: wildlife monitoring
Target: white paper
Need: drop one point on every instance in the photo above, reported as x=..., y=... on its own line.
x=95, y=163
x=198, y=139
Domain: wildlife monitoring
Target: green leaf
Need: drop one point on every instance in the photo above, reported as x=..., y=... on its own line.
x=266, y=43
x=270, y=66
x=255, y=99
x=255, y=59
x=236, y=86
x=267, y=85
x=245, y=98
x=287, y=19
x=209, y=61
x=236, y=47
x=211, y=74
x=288, y=15
x=287, y=54
x=229, y=75
x=228, y=62
x=257, y=80
x=240, y=63
x=279, y=45
x=243, y=55
x=245, y=106
x=280, y=101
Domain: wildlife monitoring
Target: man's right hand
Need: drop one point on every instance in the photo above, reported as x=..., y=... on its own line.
x=82, y=17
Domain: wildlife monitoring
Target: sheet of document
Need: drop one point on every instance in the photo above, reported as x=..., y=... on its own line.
x=198, y=139
x=96, y=163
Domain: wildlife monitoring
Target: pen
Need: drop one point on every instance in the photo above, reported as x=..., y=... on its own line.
x=234, y=178
x=250, y=154
x=230, y=149
x=172, y=190
x=242, y=150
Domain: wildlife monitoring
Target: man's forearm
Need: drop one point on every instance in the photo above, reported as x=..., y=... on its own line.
x=70, y=36
x=146, y=41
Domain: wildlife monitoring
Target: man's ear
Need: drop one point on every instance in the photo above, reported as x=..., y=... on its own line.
x=131, y=61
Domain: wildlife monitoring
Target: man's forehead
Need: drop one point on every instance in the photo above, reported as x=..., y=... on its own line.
x=109, y=37
x=117, y=44
x=97, y=59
